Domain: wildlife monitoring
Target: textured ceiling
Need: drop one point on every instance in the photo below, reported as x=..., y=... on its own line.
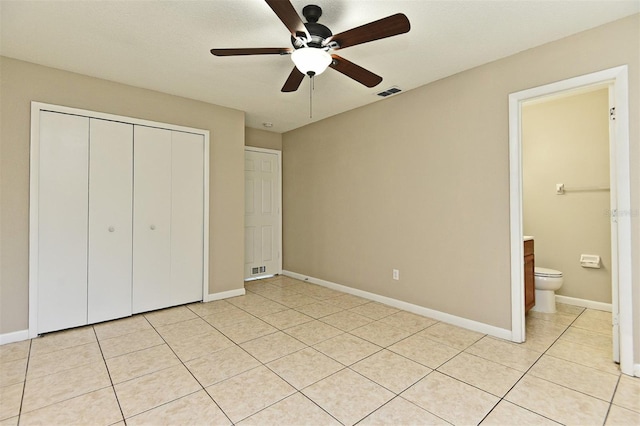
x=164, y=45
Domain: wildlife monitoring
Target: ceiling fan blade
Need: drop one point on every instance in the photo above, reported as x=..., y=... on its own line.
x=288, y=15
x=249, y=51
x=294, y=81
x=382, y=28
x=354, y=71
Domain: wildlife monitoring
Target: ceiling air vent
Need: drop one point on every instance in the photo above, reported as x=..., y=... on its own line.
x=390, y=91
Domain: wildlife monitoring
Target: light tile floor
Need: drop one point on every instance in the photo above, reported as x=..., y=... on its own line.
x=292, y=353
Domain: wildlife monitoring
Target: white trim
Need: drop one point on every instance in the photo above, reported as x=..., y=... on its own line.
x=636, y=370
x=224, y=295
x=15, y=336
x=618, y=76
x=584, y=303
x=36, y=107
x=480, y=327
x=278, y=154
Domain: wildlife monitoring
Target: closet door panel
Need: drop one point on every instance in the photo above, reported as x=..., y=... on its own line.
x=110, y=220
x=62, y=221
x=187, y=171
x=151, y=219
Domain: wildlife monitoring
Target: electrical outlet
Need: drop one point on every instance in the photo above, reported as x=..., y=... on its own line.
x=396, y=274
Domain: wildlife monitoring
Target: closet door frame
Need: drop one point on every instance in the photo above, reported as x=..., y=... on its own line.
x=34, y=175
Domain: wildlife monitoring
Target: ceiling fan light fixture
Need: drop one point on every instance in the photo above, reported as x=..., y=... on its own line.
x=311, y=60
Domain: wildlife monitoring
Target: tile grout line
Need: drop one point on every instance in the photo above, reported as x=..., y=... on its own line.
x=109, y=373
x=24, y=384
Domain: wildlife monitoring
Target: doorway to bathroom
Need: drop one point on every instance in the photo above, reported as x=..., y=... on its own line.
x=614, y=81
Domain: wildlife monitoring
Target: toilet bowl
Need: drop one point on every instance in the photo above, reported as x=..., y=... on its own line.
x=547, y=281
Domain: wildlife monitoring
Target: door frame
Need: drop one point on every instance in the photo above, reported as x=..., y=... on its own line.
x=278, y=155
x=34, y=167
x=617, y=78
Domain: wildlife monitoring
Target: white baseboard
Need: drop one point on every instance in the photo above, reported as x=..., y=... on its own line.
x=16, y=336
x=416, y=309
x=584, y=303
x=636, y=370
x=224, y=295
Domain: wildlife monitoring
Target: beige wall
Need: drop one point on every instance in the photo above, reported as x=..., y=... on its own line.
x=259, y=138
x=566, y=140
x=22, y=82
x=420, y=182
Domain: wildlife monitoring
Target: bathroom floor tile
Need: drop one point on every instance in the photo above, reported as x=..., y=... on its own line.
x=487, y=375
x=14, y=351
x=504, y=353
x=380, y=333
x=169, y=316
x=600, y=359
x=64, y=359
x=451, y=399
x=587, y=338
x=506, y=413
x=409, y=321
x=628, y=393
x=286, y=319
x=345, y=320
x=98, y=407
x=596, y=321
x=293, y=410
x=347, y=349
x=221, y=365
x=424, y=351
x=272, y=346
x=193, y=409
x=12, y=372
x=304, y=367
x=559, y=318
x=130, y=343
x=390, y=370
x=247, y=330
x=210, y=308
x=451, y=335
x=347, y=301
x=313, y=332
x=318, y=309
x=558, y=403
x=10, y=397
x=120, y=327
x=136, y=364
x=348, y=396
x=46, y=390
x=575, y=376
x=399, y=411
x=374, y=310
x=152, y=390
x=245, y=394
x=202, y=345
x=59, y=340
x=619, y=416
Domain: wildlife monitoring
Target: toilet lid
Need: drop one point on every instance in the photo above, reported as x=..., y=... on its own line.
x=546, y=272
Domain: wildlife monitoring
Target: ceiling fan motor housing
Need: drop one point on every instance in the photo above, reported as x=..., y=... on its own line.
x=319, y=33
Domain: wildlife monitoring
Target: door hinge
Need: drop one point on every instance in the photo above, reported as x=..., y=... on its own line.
x=612, y=113
x=614, y=215
x=615, y=320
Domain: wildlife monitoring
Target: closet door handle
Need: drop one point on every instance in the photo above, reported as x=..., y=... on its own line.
x=152, y=227
x=112, y=229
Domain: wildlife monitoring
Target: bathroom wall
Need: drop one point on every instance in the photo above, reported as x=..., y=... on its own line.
x=566, y=140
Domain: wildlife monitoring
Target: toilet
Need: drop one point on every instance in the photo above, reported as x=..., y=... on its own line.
x=547, y=281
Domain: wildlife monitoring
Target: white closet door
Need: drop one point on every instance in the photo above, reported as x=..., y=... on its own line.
x=62, y=227
x=151, y=219
x=110, y=220
x=187, y=195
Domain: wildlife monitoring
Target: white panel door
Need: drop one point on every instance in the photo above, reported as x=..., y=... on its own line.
x=110, y=220
x=262, y=215
x=187, y=195
x=151, y=219
x=62, y=227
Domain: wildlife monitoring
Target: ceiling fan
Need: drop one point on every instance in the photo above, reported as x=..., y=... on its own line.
x=314, y=44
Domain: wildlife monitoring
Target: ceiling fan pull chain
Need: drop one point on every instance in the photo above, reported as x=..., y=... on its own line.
x=311, y=96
